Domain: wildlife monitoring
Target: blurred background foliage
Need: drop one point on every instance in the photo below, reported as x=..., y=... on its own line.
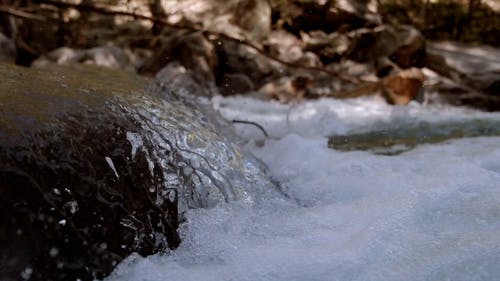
x=468, y=21
x=281, y=49
x=39, y=26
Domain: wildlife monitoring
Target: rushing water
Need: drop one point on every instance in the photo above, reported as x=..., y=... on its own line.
x=220, y=171
x=428, y=213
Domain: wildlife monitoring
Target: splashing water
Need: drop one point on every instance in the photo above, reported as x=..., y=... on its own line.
x=220, y=170
x=430, y=213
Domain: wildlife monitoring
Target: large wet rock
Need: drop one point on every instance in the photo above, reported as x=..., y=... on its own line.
x=76, y=197
x=96, y=165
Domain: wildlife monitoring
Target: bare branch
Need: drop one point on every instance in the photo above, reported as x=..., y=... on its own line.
x=21, y=14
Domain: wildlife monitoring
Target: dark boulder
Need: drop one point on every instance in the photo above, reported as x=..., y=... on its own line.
x=81, y=184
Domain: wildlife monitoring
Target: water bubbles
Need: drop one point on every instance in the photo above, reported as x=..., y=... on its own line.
x=188, y=171
x=53, y=252
x=26, y=273
x=72, y=206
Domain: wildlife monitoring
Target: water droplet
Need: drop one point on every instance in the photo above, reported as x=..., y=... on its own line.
x=26, y=273
x=72, y=206
x=53, y=252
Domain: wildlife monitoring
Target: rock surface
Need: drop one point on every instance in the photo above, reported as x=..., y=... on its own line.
x=76, y=197
x=96, y=165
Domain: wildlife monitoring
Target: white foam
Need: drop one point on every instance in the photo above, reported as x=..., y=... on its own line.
x=325, y=117
x=431, y=213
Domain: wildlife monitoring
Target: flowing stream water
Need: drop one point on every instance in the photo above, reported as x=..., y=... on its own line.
x=337, y=190
x=430, y=211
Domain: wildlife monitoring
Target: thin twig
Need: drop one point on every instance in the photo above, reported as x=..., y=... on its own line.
x=252, y=123
x=21, y=14
x=193, y=28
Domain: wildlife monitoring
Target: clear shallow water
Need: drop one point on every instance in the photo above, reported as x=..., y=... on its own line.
x=431, y=213
x=218, y=170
